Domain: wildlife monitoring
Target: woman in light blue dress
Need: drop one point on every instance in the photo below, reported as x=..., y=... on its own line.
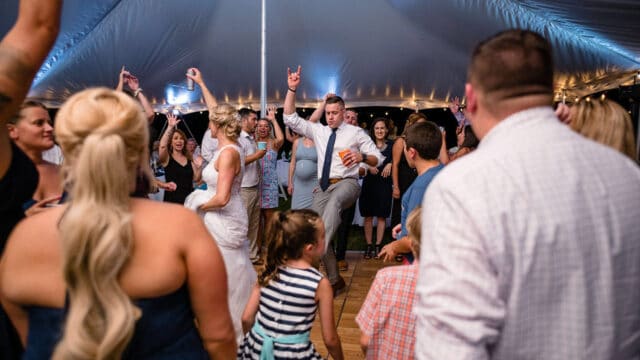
x=303, y=173
x=265, y=129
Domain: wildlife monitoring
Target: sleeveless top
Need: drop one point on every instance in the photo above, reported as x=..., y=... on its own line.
x=16, y=186
x=182, y=176
x=166, y=330
x=287, y=308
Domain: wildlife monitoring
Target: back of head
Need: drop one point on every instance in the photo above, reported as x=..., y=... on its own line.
x=287, y=234
x=412, y=119
x=227, y=119
x=103, y=135
x=512, y=64
x=426, y=138
x=470, y=139
x=606, y=122
x=414, y=228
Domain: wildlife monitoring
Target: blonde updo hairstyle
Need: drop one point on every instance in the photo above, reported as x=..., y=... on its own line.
x=226, y=118
x=103, y=136
x=606, y=122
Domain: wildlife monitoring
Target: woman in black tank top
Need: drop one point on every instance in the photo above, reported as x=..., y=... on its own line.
x=181, y=171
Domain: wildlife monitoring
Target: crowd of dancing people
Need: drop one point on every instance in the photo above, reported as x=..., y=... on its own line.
x=520, y=241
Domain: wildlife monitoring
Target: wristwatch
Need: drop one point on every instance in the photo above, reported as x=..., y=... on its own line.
x=364, y=157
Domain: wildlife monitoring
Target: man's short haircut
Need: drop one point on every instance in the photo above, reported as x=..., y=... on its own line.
x=245, y=112
x=335, y=100
x=426, y=138
x=511, y=64
x=26, y=105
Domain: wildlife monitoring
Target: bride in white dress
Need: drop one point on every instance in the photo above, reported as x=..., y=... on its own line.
x=223, y=212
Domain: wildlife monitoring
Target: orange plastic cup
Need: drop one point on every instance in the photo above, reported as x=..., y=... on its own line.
x=343, y=153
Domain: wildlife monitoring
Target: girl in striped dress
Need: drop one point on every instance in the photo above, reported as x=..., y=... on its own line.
x=278, y=317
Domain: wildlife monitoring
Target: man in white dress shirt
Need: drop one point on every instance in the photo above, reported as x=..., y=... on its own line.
x=531, y=243
x=338, y=176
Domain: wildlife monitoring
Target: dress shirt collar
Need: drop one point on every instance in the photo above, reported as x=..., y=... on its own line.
x=246, y=135
x=500, y=130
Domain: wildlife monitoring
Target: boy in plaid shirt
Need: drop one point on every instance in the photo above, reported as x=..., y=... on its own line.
x=385, y=319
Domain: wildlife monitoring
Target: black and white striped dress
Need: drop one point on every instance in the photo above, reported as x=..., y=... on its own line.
x=287, y=307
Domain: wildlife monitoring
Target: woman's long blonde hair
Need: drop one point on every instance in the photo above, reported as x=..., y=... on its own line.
x=103, y=135
x=606, y=122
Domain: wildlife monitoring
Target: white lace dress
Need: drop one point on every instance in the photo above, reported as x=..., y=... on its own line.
x=229, y=225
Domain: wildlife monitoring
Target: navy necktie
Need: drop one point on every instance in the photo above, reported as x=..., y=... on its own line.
x=326, y=167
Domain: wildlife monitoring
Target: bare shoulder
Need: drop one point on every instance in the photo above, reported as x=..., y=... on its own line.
x=33, y=248
x=165, y=221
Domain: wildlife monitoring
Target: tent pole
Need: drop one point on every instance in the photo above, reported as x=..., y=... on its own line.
x=263, y=62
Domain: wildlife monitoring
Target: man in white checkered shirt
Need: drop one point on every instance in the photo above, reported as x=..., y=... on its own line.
x=531, y=244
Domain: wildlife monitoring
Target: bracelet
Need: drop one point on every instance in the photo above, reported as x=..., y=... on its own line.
x=290, y=89
x=137, y=92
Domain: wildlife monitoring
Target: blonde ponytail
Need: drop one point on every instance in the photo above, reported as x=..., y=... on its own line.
x=103, y=136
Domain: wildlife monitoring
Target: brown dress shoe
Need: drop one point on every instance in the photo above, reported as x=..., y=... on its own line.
x=343, y=265
x=339, y=286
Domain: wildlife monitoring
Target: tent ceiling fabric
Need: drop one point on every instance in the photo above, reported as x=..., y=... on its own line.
x=406, y=53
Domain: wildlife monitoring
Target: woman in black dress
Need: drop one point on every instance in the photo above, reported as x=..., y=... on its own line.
x=375, y=197
x=180, y=170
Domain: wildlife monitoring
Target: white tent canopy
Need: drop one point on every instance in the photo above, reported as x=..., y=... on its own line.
x=410, y=53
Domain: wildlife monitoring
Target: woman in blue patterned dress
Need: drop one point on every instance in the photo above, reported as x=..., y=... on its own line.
x=288, y=293
x=268, y=164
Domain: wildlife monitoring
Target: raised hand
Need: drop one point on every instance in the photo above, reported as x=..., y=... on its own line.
x=329, y=95
x=133, y=82
x=196, y=77
x=454, y=106
x=271, y=112
x=172, y=120
x=293, y=78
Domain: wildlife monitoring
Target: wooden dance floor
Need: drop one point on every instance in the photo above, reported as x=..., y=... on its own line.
x=346, y=305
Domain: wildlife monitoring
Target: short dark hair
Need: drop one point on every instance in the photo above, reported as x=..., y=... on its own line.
x=335, y=100
x=245, y=112
x=426, y=138
x=511, y=64
x=470, y=139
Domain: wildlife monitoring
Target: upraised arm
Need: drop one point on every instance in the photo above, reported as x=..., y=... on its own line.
x=317, y=113
x=293, y=81
x=279, y=140
x=123, y=73
x=163, y=149
x=22, y=51
x=209, y=99
x=134, y=84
